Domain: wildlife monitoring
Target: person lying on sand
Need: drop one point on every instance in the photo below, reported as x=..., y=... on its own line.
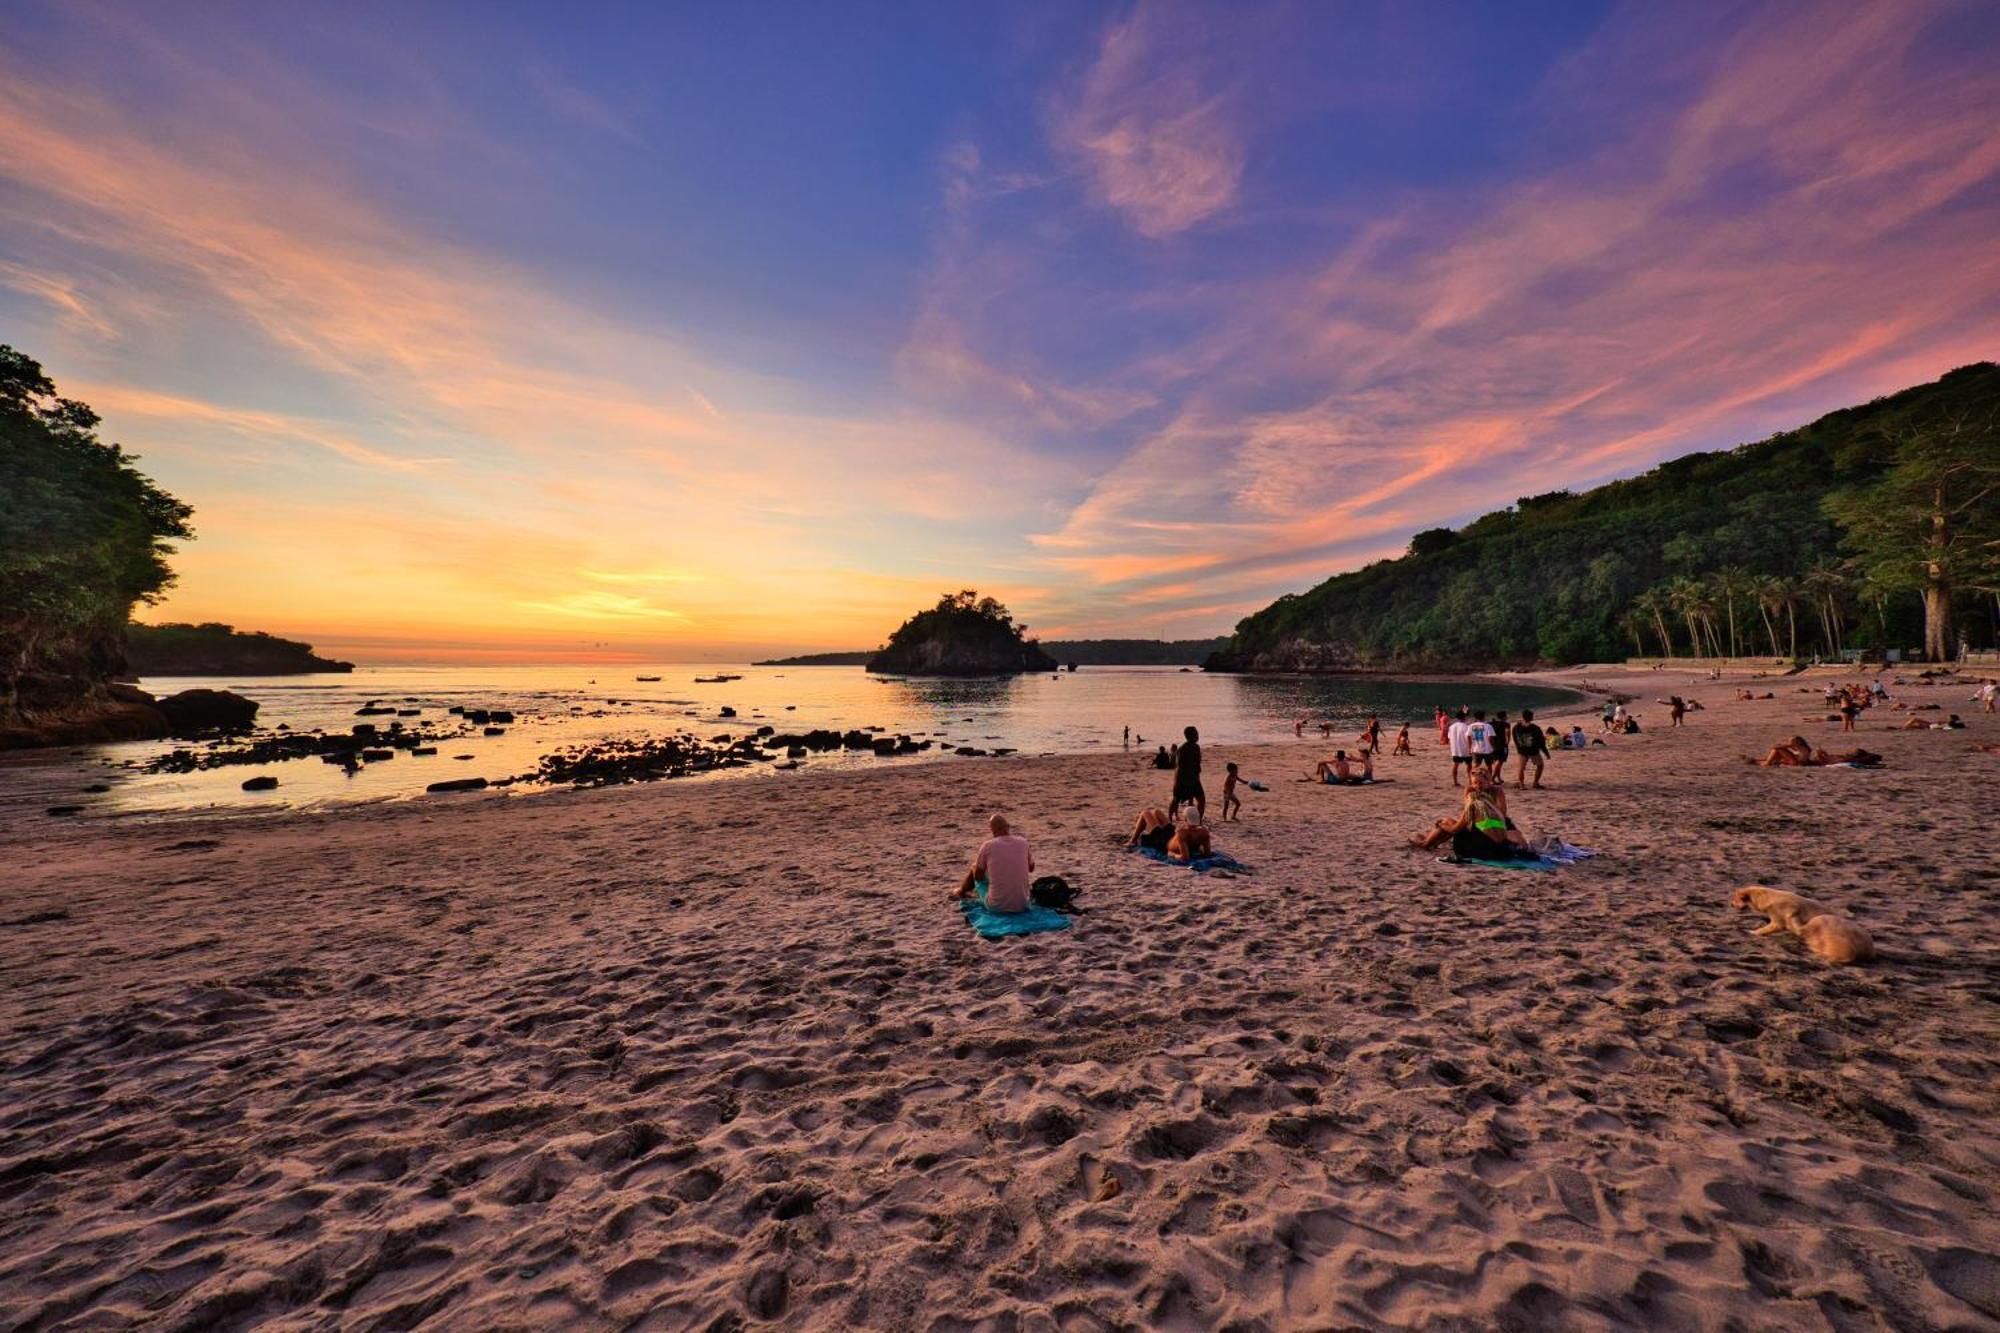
x=1481, y=829
x=1987, y=747
x=1007, y=864
x=1798, y=752
x=1340, y=769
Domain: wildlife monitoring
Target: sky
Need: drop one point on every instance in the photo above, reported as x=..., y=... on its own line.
x=498, y=331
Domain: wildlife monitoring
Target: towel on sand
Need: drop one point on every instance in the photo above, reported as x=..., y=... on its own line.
x=1201, y=865
x=1550, y=852
x=998, y=925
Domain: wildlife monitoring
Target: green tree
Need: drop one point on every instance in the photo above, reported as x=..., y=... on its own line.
x=84, y=536
x=1931, y=522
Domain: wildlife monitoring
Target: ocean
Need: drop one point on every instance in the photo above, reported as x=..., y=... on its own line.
x=561, y=706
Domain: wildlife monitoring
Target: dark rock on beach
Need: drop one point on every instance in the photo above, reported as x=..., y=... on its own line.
x=459, y=784
x=265, y=783
x=195, y=712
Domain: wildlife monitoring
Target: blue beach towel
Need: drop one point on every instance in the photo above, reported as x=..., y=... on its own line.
x=1550, y=853
x=999, y=925
x=1201, y=865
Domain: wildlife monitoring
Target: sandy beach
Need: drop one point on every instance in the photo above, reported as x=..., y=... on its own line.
x=717, y=1055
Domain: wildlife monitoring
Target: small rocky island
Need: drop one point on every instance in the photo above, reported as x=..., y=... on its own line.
x=963, y=635
x=218, y=650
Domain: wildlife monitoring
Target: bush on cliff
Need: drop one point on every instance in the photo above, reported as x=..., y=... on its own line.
x=84, y=537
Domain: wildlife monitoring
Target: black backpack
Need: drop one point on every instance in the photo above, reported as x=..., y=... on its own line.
x=1054, y=892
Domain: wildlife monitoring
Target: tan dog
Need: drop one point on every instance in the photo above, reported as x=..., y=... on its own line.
x=1834, y=938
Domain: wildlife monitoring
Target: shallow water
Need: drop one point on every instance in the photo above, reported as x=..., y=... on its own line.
x=558, y=706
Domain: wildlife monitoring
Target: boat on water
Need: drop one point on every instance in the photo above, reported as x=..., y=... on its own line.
x=714, y=680
x=645, y=678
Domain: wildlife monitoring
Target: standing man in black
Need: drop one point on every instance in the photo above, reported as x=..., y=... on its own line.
x=1187, y=779
x=1530, y=745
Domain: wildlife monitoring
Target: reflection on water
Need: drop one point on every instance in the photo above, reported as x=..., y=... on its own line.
x=559, y=706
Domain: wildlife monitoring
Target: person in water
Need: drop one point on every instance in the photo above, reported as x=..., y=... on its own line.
x=1007, y=864
x=1481, y=830
x=1187, y=778
x=1340, y=769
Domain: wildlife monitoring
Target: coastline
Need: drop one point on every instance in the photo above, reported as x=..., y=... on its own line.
x=699, y=1050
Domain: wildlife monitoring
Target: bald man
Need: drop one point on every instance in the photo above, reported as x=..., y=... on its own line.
x=1007, y=864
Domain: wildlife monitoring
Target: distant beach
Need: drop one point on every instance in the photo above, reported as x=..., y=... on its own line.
x=697, y=1055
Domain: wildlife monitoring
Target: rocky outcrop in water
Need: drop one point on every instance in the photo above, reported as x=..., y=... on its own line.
x=963, y=635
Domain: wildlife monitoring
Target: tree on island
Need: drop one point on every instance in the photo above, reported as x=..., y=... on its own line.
x=963, y=635
x=1931, y=523
x=84, y=536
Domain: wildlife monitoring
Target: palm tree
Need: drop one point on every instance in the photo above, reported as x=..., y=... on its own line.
x=1634, y=623
x=1691, y=602
x=1825, y=583
x=1729, y=583
x=1772, y=596
x=1652, y=604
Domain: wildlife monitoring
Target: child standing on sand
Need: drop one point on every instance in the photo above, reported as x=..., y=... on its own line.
x=1231, y=802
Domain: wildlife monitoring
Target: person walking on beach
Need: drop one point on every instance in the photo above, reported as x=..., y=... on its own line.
x=1478, y=741
x=1187, y=778
x=1498, y=763
x=1988, y=693
x=1007, y=864
x=1530, y=745
x=1456, y=736
x=1374, y=735
x=1231, y=802
x=1403, y=741
x=1676, y=709
x=1443, y=723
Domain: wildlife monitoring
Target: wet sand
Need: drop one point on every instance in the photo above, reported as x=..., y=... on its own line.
x=716, y=1055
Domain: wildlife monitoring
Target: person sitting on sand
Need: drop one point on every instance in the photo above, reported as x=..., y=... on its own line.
x=1162, y=760
x=1190, y=842
x=1153, y=831
x=1577, y=740
x=1007, y=864
x=1403, y=741
x=1340, y=769
x=1481, y=830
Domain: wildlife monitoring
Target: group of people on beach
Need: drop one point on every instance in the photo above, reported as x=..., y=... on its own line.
x=1479, y=748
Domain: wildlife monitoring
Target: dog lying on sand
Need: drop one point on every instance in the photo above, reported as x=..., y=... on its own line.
x=1834, y=938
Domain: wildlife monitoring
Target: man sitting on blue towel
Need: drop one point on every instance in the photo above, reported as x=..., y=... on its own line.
x=1007, y=864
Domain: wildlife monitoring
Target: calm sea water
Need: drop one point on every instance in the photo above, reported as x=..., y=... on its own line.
x=559, y=706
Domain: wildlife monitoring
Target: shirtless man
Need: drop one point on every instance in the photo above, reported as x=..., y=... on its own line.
x=1340, y=769
x=1007, y=864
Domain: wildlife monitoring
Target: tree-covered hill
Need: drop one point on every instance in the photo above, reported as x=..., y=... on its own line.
x=963, y=635
x=218, y=650
x=1751, y=550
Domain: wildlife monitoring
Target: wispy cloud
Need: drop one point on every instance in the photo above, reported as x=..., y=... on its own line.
x=1147, y=126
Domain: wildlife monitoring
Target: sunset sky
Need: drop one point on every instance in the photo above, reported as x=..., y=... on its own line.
x=710, y=329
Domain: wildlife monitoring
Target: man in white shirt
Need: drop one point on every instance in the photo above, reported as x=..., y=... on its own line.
x=1458, y=736
x=1479, y=741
